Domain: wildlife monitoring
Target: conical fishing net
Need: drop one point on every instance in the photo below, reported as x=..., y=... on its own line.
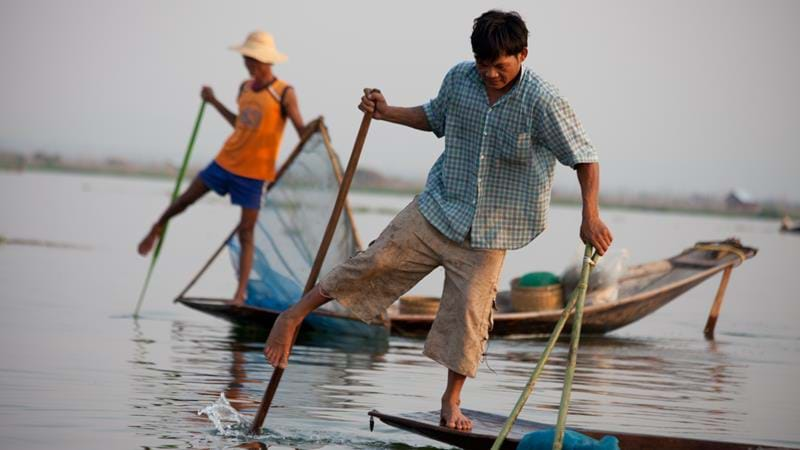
x=293, y=217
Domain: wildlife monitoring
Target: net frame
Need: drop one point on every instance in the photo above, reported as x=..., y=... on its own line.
x=312, y=128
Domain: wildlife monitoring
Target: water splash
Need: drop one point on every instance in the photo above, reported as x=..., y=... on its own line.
x=228, y=421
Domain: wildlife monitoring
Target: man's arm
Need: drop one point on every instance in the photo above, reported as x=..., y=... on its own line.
x=293, y=111
x=593, y=230
x=207, y=94
x=413, y=117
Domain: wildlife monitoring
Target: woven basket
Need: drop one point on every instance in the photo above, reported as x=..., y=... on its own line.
x=542, y=298
x=414, y=304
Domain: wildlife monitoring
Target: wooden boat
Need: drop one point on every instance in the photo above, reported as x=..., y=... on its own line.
x=643, y=289
x=320, y=320
x=487, y=426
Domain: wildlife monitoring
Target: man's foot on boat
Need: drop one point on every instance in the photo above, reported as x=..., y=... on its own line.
x=279, y=342
x=147, y=243
x=451, y=416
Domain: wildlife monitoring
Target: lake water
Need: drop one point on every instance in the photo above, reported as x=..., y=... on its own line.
x=76, y=371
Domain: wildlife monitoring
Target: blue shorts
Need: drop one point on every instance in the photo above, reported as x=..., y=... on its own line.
x=245, y=192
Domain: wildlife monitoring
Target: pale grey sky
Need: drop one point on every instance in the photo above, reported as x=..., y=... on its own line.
x=678, y=96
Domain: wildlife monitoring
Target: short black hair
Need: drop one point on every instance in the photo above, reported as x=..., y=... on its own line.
x=496, y=33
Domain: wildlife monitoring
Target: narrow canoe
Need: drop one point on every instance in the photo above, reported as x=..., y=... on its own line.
x=487, y=426
x=643, y=289
x=319, y=321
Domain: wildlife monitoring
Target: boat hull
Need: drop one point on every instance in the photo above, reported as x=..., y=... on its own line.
x=319, y=321
x=643, y=290
x=486, y=428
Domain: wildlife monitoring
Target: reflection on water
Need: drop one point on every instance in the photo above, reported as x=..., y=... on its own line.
x=674, y=387
x=324, y=379
x=679, y=387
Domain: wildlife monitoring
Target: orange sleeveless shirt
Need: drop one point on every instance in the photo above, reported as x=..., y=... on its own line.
x=252, y=150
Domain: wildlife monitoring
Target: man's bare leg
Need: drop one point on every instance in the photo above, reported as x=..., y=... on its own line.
x=451, y=415
x=247, y=226
x=279, y=342
x=196, y=190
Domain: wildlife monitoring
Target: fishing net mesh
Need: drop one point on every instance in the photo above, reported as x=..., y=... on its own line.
x=291, y=223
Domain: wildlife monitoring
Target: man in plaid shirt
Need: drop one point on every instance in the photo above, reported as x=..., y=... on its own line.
x=489, y=191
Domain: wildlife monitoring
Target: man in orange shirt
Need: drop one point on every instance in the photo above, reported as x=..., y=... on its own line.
x=248, y=157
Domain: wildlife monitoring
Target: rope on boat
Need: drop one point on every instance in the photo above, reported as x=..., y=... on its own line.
x=725, y=248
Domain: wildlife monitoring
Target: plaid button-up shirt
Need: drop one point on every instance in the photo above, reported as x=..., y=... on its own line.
x=494, y=178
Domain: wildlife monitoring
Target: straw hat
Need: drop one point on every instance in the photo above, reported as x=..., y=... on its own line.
x=260, y=45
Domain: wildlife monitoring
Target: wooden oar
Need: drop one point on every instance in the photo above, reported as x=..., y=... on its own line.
x=579, y=291
x=175, y=192
x=344, y=187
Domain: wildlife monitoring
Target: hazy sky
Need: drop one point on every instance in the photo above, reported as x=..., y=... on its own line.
x=677, y=96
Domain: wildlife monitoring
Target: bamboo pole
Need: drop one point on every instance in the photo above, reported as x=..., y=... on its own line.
x=175, y=191
x=337, y=170
x=717, y=306
x=347, y=179
x=207, y=264
x=566, y=392
x=551, y=343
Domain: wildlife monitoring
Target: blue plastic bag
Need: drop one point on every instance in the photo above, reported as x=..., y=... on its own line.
x=543, y=440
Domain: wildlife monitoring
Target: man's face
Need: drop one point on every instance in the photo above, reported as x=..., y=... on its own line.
x=498, y=73
x=251, y=65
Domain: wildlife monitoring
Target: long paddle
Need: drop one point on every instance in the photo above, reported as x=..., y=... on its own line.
x=577, y=297
x=344, y=187
x=175, y=192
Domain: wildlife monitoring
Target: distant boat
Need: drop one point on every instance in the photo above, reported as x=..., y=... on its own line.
x=790, y=226
x=642, y=290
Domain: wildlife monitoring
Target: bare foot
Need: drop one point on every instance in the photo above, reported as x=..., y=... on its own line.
x=147, y=243
x=279, y=342
x=238, y=299
x=236, y=302
x=451, y=416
